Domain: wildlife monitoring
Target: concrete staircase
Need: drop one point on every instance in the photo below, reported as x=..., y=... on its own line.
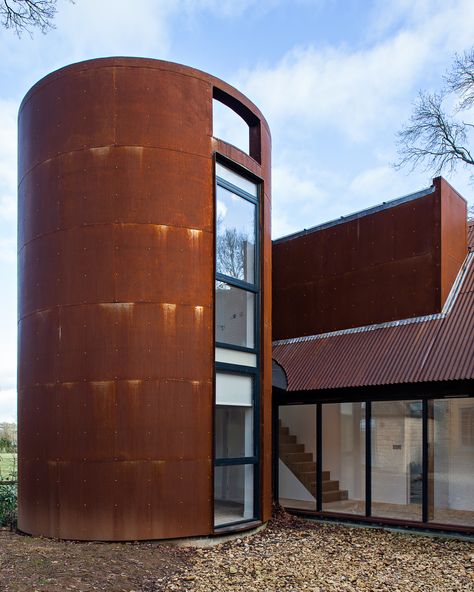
x=302, y=465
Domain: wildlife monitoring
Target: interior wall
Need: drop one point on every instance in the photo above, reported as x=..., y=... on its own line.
x=291, y=488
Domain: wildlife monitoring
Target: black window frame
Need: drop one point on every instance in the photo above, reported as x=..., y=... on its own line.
x=253, y=371
x=425, y=412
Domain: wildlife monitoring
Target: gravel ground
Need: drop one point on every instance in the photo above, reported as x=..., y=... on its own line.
x=290, y=555
x=295, y=555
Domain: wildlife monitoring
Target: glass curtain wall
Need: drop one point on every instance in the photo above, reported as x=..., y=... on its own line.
x=237, y=348
x=397, y=459
x=343, y=442
x=404, y=460
x=297, y=474
x=451, y=461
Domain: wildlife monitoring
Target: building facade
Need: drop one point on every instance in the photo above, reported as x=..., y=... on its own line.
x=374, y=367
x=145, y=326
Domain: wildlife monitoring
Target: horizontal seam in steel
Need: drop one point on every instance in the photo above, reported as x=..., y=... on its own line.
x=120, y=303
x=87, y=148
x=108, y=224
x=115, y=380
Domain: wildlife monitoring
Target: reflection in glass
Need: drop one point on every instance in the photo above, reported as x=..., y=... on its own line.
x=235, y=314
x=343, y=485
x=451, y=474
x=233, y=493
x=235, y=236
x=233, y=431
x=397, y=459
x=297, y=456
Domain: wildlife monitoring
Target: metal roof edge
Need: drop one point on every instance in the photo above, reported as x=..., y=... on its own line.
x=448, y=305
x=362, y=213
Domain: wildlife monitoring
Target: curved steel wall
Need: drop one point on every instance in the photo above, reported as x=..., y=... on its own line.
x=116, y=268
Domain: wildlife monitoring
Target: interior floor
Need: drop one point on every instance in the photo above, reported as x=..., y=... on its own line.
x=227, y=512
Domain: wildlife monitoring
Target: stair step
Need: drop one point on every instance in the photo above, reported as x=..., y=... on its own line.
x=306, y=478
x=330, y=485
x=289, y=458
x=287, y=439
x=326, y=476
x=302, y=465
x=334, y=496
x=284, y=448
x=305, y=467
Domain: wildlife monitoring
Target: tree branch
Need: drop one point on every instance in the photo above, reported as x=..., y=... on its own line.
x=432, y=138
x=461, y=79
x=25, y=15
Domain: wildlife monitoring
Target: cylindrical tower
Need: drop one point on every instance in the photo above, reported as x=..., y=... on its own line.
x=128, y=414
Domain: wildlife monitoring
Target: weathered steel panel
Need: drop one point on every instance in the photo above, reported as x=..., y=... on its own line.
x=398, y=262
x=129, y=180
x=116, y=281
x=453, y=233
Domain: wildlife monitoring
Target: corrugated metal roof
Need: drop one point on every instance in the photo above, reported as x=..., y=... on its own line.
x=432, y=348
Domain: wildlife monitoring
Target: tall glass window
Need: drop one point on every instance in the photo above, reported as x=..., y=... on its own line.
x=235, y=235
x=397, y=459
x=451, y=461
x=235, y=316
x=405, y=460
x=237, y=348
x=297, y=475
x=343, y=485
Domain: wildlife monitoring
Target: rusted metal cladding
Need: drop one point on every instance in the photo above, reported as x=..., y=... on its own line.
x=116, y=301
x=397, y=262
x=454, y=240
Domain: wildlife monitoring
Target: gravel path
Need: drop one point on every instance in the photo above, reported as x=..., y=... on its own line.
x=296, y=555
x=290, y=555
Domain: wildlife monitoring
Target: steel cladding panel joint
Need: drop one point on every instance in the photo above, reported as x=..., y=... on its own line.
x=116, y=301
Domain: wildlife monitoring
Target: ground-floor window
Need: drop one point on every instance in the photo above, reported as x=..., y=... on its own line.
x=405, y=460
x=235, y=445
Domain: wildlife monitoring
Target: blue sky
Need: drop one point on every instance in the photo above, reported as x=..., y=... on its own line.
x=335, y=79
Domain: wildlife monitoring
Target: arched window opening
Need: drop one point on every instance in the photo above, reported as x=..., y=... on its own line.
x=234, y=123
x=230, y=127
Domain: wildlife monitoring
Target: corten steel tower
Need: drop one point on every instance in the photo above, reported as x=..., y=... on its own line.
x=121, y=383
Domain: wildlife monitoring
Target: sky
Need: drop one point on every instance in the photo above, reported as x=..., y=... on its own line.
x=335, y=79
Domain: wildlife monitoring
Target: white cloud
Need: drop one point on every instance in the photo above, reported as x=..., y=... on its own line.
x=8, y=250
x=8, y=352
x=294, y=191
x=110, y=25
x=8, y=399
x=8, y=149
x=229, y=126
x=358, y=91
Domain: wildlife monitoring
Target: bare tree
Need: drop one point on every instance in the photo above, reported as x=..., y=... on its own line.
x=231, y=250
x=26, y=15
x=434, y=139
